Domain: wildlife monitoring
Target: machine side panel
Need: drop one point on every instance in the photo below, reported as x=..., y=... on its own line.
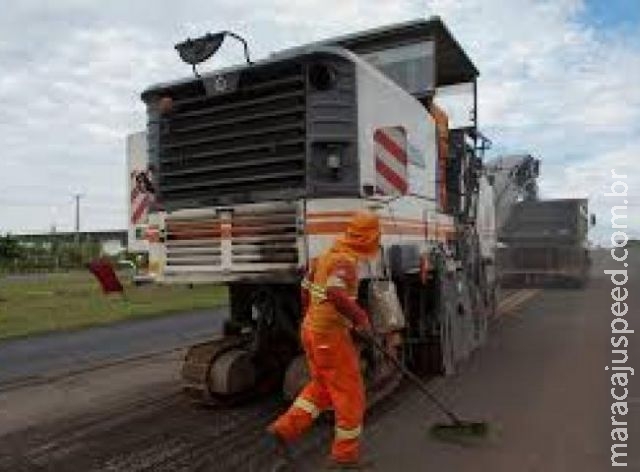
x=382, y=104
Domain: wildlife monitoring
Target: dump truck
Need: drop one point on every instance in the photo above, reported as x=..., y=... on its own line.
x=545, y=242
x=258, y=167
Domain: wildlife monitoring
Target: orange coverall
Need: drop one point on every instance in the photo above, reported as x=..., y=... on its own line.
x=336, y=380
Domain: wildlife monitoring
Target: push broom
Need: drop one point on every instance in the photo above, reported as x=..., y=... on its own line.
x=456, y=428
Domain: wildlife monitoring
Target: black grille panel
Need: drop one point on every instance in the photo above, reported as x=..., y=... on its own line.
x=229, y=147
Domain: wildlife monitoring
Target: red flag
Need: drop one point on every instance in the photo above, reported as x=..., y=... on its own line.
x=103, y=270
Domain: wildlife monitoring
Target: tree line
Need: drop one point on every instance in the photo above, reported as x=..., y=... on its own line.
x=19, y=256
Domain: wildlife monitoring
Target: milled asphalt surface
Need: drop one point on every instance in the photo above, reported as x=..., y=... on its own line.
x=48, y=354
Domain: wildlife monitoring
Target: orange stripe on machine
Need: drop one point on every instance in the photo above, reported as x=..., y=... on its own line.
x=390, y=226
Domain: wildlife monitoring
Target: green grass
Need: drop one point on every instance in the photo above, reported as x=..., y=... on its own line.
x=54, y=302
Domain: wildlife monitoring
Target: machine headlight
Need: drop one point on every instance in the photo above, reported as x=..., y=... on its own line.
x=334, y=160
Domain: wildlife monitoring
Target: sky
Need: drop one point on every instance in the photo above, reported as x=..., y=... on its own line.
x=559, y=79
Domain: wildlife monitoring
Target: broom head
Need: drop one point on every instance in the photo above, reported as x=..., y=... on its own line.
x=460, y=432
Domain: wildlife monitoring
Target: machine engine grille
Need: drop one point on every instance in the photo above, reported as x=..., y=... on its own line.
x=234, y=147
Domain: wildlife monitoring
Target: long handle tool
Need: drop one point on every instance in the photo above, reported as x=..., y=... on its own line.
x=456, y=428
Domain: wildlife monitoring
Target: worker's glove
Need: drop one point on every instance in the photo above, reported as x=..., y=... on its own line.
x=364, y=327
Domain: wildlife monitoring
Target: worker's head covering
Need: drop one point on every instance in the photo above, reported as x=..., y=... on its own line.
x=362, y=235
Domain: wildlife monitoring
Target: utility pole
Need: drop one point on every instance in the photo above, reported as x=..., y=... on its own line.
x=77, y=197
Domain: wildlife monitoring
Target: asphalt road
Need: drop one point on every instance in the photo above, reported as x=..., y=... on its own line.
x=29, y=358
x=540, y=382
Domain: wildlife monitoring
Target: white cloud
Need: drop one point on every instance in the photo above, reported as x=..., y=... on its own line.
x=592, y=179
x=560, y=89
x=70, y=86
x=64, y=121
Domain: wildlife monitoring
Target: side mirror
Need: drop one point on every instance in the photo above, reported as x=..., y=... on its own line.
x=592, y=219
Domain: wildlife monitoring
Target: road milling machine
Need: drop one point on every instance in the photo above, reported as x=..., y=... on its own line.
x=257, y=168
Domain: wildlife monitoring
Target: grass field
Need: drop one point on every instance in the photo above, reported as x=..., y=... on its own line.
x=53, y=302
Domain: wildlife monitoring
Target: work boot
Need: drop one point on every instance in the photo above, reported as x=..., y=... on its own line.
x=333, y=464
x=281, y=448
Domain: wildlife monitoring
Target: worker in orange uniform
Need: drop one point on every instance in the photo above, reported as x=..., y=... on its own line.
x=329, y=293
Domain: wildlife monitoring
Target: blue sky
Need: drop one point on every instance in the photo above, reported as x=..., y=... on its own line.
x=609, y=15
x=559, y=78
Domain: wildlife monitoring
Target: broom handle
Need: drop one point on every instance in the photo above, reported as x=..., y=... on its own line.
x=412, y=377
